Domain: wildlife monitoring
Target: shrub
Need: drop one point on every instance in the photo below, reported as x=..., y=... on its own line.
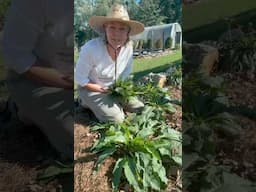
x=168, y=43
x=159, y=44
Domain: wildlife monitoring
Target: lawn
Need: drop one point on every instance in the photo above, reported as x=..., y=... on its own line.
x=143, y=66
x=209, y=11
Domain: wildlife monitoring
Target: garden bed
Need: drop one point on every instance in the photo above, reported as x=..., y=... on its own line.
x=85, y=180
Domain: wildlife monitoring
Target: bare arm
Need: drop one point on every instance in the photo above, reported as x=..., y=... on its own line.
x=95, y=88
x=49, y=76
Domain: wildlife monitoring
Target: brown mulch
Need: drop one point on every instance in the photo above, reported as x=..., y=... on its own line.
x=175, y=120
x=241, y=89
x=86, y=180
x=240, y=152
x=22, y=159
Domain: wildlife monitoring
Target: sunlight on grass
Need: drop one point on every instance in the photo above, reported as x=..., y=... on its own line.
x=143, y=66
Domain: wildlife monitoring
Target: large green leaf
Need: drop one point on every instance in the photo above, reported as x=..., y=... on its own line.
x=53, y=171
x=104, y=155
x=159, y=170
x=131, y=174
x=117, y=172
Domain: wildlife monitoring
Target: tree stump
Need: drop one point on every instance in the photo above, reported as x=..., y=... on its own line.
x=200, y=57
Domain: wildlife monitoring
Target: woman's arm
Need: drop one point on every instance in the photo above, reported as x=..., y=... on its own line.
x=96, y=88
x=50, y=77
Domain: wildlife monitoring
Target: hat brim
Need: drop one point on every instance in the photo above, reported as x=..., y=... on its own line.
x=97, y=22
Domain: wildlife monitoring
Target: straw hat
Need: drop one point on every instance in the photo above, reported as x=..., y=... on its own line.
x=117, y=13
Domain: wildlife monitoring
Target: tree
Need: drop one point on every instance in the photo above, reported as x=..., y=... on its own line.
x=149, y=13
x=171, y=9
x=3, y=10
x=83, y=9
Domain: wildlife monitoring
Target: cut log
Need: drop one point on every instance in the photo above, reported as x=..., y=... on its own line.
x=200, y=57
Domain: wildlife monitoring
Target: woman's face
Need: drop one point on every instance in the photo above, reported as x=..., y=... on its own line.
x=117, y=33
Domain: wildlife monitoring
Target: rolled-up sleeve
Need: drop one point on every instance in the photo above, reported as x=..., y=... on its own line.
x=25, y=22
x=83, y=66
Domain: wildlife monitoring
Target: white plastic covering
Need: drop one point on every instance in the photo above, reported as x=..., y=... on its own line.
x=162, y=32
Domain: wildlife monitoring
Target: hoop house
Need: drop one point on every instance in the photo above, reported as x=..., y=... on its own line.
x=158, y=37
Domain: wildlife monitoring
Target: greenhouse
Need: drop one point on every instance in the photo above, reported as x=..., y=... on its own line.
x=158, y=37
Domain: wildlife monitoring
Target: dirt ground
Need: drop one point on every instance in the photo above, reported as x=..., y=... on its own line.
x=240, y=153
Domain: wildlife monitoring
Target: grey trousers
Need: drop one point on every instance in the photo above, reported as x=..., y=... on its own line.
x=49, y=108
x=105, y=107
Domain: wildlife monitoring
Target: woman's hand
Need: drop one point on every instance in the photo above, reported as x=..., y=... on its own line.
x=50, y=77
x=96, y=88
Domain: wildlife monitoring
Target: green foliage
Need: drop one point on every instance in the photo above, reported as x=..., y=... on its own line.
x=171, y=9
x=149, y=44
x=123, y=90
x=151, y=95
x=141, y=146
x=238, y=56
x=56, y=170
x=3, y=8
x=144, y=44
x=4, y=5
x=83, y=10
x=174, y=75
x=203, y=116
x=141, y=43
x=156, y=97
x=149, y=13
x=159, y=44
x=168, y=43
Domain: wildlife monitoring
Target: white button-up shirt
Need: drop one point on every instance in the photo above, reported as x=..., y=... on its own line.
x=95, y=64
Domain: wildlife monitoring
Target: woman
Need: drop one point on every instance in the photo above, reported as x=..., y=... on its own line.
x=38, y=51
x=105, y=59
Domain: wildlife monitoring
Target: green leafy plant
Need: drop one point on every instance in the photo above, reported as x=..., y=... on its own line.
x=123, y=90
x=4, y=7
x=141, y=147
x=238, y=56
x=159, y=44
x=156, y=97
x=168, y=43
x=151, y=94
x=204, y=116
x=174, y=75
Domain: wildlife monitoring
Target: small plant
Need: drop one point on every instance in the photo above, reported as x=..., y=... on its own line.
x=156, y=97
x=204, y=116
x=238, y=56
x=168, y=43
x=149, y=44
x=141, y=147
x=4, y=7
x=152, y=95
x=174, y=75
x=159, y=44
x=123, y=90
